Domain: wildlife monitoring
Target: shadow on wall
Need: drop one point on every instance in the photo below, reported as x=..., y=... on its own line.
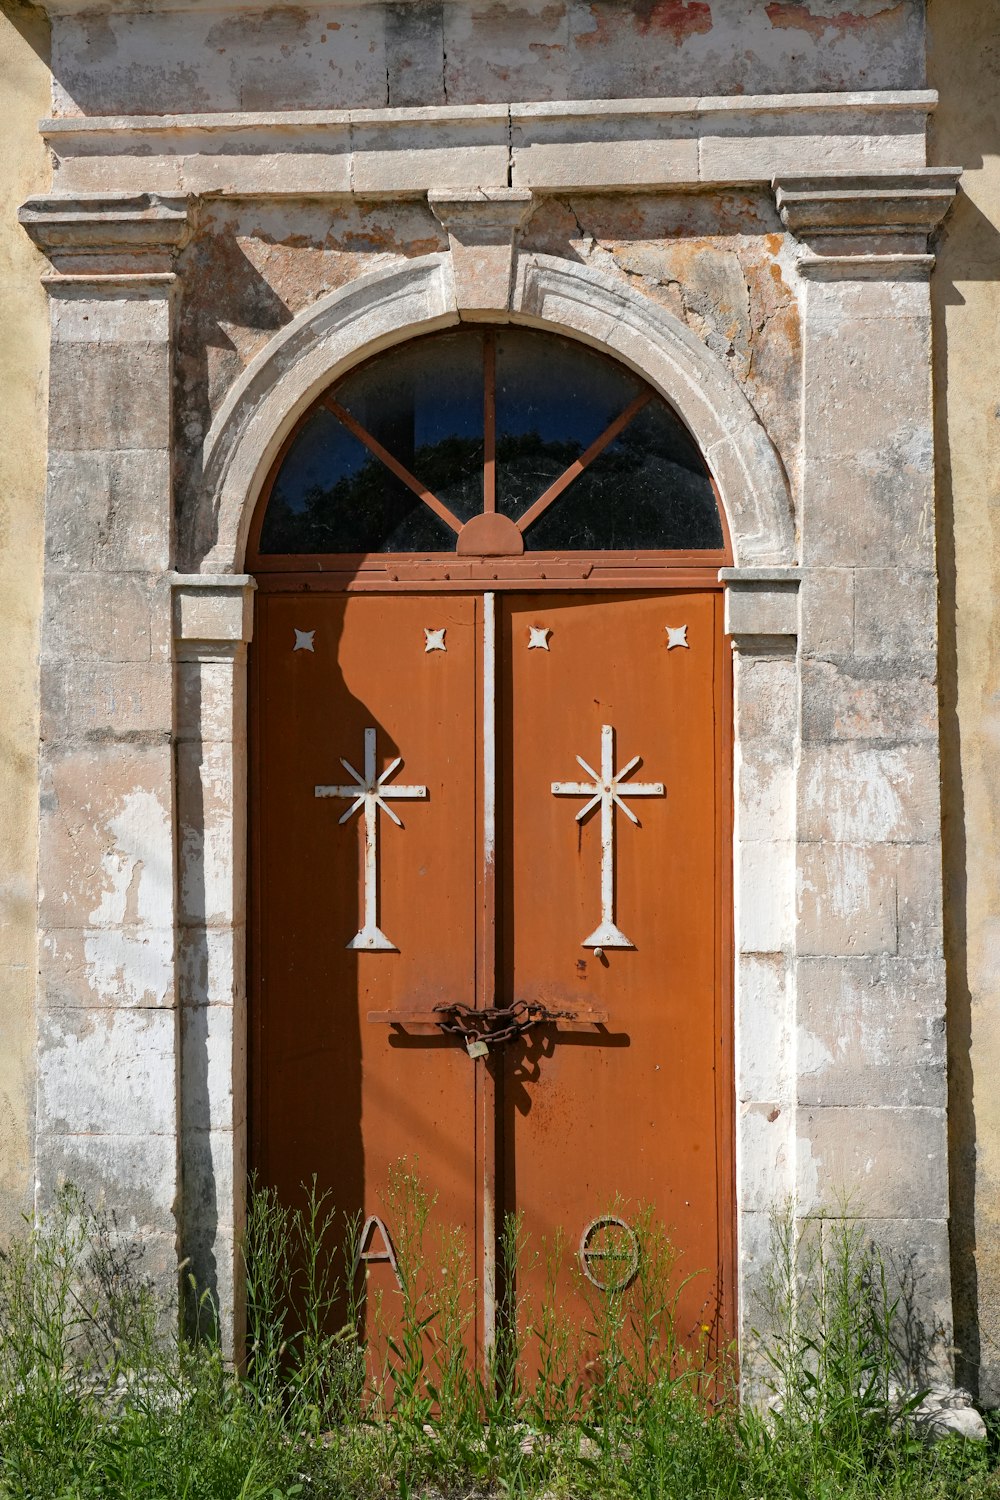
x=963, y=64
x=226, y=289
x=32, y=25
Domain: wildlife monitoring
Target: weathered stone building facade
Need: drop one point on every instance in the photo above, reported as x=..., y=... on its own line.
x=233, y=204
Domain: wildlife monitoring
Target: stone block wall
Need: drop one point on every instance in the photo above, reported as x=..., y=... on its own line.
x=108, y=1018
x=192, y=58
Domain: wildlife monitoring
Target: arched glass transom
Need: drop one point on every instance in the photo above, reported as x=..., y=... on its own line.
x=490, y=442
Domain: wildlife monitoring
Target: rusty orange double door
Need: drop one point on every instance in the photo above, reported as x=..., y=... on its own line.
x=489, y=909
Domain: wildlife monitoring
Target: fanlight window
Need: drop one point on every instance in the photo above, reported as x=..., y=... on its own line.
x=490, y=442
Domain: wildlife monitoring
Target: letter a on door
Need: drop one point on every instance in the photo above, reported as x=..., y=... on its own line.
x=368, y=1252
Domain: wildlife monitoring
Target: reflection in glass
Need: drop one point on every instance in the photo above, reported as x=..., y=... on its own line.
x=332, y=495
x=554, y=398
x=649, y=488
x=424, y=402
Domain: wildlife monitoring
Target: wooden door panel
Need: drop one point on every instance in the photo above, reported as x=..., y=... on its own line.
x=334, y=1094
x=630, y=1114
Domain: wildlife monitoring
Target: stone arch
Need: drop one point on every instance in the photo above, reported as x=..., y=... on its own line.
x=388, y=306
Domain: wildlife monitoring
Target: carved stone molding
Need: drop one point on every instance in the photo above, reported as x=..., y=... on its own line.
x=589, y=304
x=108, y=237
x=551, y=146
x=482, y=225
x=870, y=224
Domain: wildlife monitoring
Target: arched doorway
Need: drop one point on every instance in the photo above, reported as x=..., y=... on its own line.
x=491, y=805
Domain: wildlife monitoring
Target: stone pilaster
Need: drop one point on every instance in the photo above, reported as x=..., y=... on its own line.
x=213, y=621
x=871, y=1093
x=762, y=621
x=108, y=1068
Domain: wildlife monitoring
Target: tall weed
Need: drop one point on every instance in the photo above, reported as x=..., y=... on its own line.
x=101, y=1395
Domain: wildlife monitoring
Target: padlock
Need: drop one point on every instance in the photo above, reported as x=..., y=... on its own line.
x=476, y=1047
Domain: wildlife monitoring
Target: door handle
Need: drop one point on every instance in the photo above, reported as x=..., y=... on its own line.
x=490, y=1026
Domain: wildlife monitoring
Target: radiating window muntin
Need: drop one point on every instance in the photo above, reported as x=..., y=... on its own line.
x=405, y=449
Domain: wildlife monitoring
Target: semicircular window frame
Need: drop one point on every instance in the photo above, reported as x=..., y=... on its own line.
x=511, y=471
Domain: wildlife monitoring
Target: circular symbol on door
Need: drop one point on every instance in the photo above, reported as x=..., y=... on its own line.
x=609, y=1253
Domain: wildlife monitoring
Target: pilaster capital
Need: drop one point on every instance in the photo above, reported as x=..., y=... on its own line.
x=762, y=609
x=108, y=237
x=866, y=224
x=482, y=224
x=212, y=614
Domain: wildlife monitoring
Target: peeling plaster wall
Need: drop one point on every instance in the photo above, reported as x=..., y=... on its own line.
x=24, y=344
x=721, y=263
x=342, y=55
x=964, y=65
x=251, y=267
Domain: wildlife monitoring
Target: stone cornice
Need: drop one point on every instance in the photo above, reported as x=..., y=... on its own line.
x=552, y=146
x=866, y=224
x=888, y=203
x=694, y=105
x=108, y=236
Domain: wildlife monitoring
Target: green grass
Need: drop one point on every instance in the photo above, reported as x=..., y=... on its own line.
x=101, y=1397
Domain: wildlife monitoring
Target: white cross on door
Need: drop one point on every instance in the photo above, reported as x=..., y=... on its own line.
x=605, y=791
x=370, y=791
